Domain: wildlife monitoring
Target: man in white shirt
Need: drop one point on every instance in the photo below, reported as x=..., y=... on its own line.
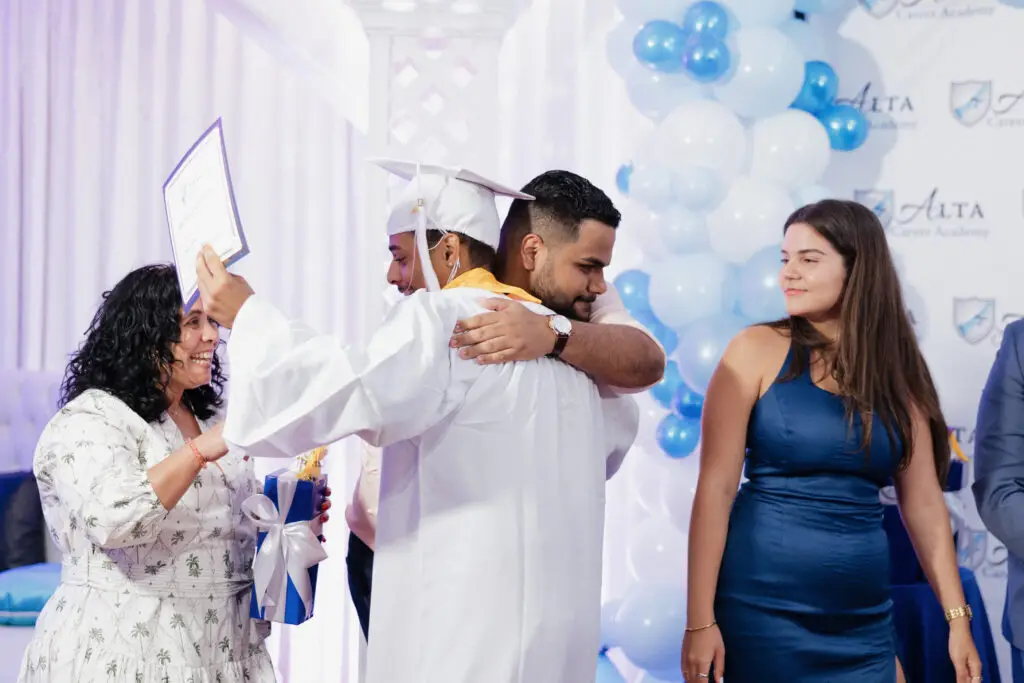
x=622, y=355
x=489, y=533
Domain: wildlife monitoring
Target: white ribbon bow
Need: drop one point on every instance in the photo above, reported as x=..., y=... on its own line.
x=288, y=551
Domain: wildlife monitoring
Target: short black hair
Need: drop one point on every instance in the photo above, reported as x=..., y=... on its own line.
x=563, y=201
x=480, y=255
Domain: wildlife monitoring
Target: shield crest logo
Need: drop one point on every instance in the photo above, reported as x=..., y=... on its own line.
x=970, y=101
x=879, y=8
x=882, y=202
x=974, y=318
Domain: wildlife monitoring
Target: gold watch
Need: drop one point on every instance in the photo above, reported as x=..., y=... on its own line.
x=957, y=612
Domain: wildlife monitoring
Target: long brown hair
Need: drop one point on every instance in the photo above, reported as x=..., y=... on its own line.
x=876, y=361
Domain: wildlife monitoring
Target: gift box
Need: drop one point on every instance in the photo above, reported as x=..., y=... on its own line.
x=288, y=546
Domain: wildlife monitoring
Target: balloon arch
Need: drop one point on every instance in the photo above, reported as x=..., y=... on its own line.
x=746, y=122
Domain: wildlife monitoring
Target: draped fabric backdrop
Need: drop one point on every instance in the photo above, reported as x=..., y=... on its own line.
x=99, y=98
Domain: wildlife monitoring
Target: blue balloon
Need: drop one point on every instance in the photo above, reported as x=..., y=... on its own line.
x=622, y=178
x=665, y=335
x=708, y=18
x=651, y=623
x=821, y=85
x=702, y=345
x=606, y=671
x=665, y=390
x=687, y=402
x=705, y=58
x=609, y=627
x=761, y=297
x=847, y=128
x=678, y=436
x=632, y=286
x=659, y=45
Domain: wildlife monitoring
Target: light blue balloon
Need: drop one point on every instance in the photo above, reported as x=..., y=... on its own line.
x=665, y=335
x=622, y=178
x=823, y=6
x=821, y=85
x=659, y=45
x=609, y=627
x=684, y=232
x=685, y=288
x=632, y=287
x=705, y=58
x=606, y=671
x=665, y=390
x=698, y=188
x=651, y=623
x=702, y=345
x=761, y=298
x=766, y=75
x=846, y=126
x=810, y=194
x=708, y=18
x=655, y=93
x=678, y=436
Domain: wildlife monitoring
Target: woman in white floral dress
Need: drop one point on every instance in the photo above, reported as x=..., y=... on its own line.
x=144, y=501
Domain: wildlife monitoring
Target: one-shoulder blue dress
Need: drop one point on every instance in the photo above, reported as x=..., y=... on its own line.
x=803, y=591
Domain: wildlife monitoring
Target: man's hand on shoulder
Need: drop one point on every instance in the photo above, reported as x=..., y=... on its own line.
x=508, y=332
x=223, y=294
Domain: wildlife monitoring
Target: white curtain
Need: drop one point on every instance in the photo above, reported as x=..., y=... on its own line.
x=98, y=101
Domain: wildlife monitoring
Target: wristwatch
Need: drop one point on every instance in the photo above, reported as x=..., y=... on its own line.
x=562, y=328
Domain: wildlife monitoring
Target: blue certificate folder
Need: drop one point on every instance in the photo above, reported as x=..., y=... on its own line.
x=309, y=496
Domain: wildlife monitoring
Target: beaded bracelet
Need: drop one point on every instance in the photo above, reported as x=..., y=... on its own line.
x=195, y=451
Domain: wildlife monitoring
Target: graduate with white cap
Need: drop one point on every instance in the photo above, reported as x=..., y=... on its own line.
x=490, y=524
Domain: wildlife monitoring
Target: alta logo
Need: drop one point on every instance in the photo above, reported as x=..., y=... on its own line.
x=936, y=215
x=883, y=110
x=975, y=320
x=971, y=102
x=928, y=9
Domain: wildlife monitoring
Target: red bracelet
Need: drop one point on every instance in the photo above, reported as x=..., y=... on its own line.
x=195, y=452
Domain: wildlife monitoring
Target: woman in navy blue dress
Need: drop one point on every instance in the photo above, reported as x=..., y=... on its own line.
x=789, y=578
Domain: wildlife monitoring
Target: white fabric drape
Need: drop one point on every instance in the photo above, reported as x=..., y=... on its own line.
x=98, y=101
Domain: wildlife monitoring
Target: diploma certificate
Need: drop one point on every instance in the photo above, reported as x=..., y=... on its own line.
x=201, y=209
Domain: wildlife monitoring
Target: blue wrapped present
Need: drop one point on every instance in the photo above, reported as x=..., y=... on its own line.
x=288, y=546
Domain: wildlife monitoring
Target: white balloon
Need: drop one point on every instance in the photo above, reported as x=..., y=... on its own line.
x=768, y=72
x=619, y=46
x=683, y=232
x=646, y=10
x=808, y=39
x=627, y=255
x=646, y=472
x=759, y=12
x=679, y=488
x=657, y=552
x=645, y=226
x=810, y=194
x=791, y=148
x=701, y=133
x=751, y=218
x=685, y=288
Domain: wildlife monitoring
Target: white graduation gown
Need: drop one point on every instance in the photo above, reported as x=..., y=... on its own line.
x=490, y=525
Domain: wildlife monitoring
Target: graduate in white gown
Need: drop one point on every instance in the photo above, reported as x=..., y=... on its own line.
x=619, y=353
x=490, y=524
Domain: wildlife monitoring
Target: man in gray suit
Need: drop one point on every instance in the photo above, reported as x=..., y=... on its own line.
x=999, y=476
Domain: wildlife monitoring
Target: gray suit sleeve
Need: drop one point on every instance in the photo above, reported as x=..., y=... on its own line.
x=999, y=446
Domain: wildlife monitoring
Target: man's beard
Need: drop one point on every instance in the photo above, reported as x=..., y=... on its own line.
x=574, y=309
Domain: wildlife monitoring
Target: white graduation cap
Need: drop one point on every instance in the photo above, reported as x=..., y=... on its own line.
x=444, y=198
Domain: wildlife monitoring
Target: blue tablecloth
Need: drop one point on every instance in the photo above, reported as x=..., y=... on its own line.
x=924, y=635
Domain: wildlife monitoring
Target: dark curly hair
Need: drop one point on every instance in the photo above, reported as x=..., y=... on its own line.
x=127, y=348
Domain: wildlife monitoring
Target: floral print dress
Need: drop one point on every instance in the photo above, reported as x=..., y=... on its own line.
x=146, y=594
